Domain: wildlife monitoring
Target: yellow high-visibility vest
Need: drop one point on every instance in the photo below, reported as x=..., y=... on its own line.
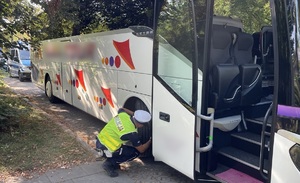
x=110, y=135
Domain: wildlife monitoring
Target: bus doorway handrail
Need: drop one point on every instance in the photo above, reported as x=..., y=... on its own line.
x=211, y=131
x=262, y=145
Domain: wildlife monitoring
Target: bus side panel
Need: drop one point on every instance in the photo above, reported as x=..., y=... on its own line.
x=135, y=82
x=141, y=52
x=66, y=81
x=55, y=73
x=37, y=73
x=124, y=95
x=125, y=52
x=80, y=81
x=102, y=91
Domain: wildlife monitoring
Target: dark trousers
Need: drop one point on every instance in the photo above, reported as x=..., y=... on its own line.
x=123, y=154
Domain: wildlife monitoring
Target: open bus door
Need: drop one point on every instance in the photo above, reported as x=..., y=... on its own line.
x=285, y=166
x=175, y=85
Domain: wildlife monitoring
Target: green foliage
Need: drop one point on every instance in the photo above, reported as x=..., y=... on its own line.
x=71, y=17
x=74, y=17
x=175, y=26
x=124, y=13
x=6, y=27
x=20, y=20
x=254, y=14
x=61, y=18
x=13, y=108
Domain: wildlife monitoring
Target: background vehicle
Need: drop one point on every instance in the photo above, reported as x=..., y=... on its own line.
x=3, y=63
x=19, y=65
x=222, y=84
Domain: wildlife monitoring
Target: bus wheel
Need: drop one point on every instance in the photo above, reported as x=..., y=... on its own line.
x=146, y=132
x=49, y=91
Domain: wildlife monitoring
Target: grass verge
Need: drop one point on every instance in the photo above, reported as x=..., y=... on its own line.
x=34, y=143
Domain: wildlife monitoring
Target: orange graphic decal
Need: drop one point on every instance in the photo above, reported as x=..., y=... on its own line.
x=79, y=75
x=124, y=51
x=107, y=94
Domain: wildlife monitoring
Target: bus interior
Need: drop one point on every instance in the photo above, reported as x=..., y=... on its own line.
x=241, y=72
x=235, y=78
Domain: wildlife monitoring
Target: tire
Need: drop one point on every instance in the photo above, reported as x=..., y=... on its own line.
x=49, y=91
x=8, y=70
x=20, y=77
x=146, y=131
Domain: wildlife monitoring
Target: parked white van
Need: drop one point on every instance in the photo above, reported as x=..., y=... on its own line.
x=20, y=64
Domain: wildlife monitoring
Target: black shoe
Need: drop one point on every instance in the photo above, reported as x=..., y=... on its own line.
x=109, y=168
x=117, y=167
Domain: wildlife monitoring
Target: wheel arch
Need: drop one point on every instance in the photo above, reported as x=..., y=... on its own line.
x=131, y=101
x=51, y=97
x=46, y=77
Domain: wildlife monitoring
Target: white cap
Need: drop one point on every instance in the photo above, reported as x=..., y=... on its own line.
x=142, y=116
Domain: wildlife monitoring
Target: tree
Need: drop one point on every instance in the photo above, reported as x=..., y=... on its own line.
x=86, y=15
x=54, y=28
x=74, y=17
x=254, y=14
x=71, y=17
x=18, y=23
x=124, y=13
x=10, y=22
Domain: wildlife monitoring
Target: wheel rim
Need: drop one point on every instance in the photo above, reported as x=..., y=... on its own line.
x=48, y=89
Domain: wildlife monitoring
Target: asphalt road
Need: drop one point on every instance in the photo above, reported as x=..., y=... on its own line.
x=86, y=127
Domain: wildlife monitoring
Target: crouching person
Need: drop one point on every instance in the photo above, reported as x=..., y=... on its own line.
x=119, y=130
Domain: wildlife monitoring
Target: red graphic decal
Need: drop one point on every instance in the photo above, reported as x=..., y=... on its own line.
x=79, y=75
x=107, y=94
x=76, y=83
x=124, y=51
x=117, y=62
x=58, y=79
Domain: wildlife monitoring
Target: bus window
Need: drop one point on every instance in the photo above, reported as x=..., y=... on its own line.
x=176, y=48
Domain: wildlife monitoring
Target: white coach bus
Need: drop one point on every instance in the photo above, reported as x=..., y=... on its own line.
x=220, y=78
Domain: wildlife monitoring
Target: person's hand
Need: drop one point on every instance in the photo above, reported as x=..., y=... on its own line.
x=142, y=148
x=150, y=140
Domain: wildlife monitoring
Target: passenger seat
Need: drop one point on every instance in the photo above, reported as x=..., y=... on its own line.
x=250, y=72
